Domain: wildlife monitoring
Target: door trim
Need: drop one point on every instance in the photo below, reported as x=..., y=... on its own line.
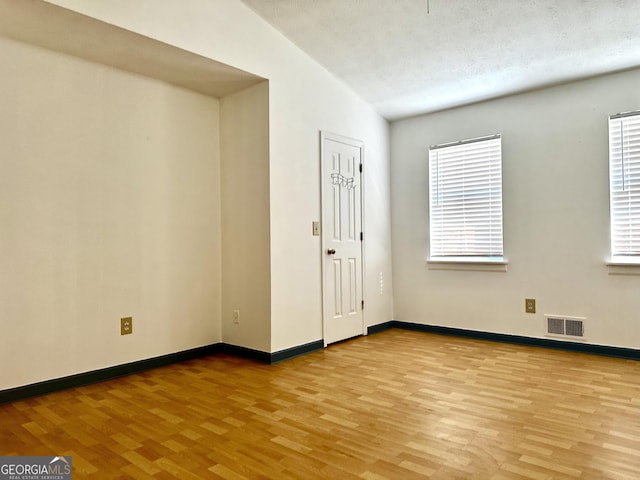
x=324, y=135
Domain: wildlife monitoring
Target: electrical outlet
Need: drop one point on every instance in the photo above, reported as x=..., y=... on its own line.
x=530, y=305
x=236, y=316
x=126, y=326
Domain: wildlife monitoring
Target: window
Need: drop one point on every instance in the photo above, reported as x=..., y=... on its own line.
x=624, y=186
x=465, y=207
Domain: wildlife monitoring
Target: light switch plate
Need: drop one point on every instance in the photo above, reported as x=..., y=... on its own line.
x=315, y=226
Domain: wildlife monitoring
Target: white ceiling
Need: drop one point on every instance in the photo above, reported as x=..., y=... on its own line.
x=405, y=61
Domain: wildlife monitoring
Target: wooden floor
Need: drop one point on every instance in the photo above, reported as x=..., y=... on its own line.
x=394, y=405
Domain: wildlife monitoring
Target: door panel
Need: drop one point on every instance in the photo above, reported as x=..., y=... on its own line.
x=353, y=287
x=337, y=288
x=342, y=244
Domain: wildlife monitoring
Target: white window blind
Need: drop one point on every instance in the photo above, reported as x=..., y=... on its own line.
x=465, y=208
x=624, y=184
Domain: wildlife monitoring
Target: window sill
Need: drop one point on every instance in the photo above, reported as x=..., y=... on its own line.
x=625, y=266
x=477, y=264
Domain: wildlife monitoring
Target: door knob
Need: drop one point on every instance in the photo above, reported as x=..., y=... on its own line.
x=331, y=251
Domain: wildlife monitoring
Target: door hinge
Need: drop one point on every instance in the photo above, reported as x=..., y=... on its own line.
x=360, y=168
x=361, y=236
x=362, y=304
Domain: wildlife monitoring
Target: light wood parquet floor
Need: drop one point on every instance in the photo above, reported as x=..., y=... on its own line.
x=394, y=405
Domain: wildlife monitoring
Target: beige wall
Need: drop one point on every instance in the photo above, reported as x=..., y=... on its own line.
x=303, y=100
x=110, y=208
x=556, y=215
x=244, y=133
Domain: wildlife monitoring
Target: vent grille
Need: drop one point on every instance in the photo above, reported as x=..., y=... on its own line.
x=574, y=327
x=563, y=326
x=555, y=325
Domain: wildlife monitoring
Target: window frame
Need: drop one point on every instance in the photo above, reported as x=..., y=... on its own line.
x=616, y=162
x=483, y=261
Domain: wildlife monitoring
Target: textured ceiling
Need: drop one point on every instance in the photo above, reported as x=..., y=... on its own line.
x=405, y=61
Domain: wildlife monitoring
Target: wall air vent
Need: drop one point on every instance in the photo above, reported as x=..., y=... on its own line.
x=564, y=326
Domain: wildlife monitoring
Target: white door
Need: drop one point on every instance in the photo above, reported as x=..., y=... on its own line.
x=342, y=237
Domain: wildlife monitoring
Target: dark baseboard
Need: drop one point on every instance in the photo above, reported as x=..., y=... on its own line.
x=109, y=373
x=381, y=327
x=605, y=350
x=95, y=376
x=271, y=358
x=244, y=352
x=292, y=352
